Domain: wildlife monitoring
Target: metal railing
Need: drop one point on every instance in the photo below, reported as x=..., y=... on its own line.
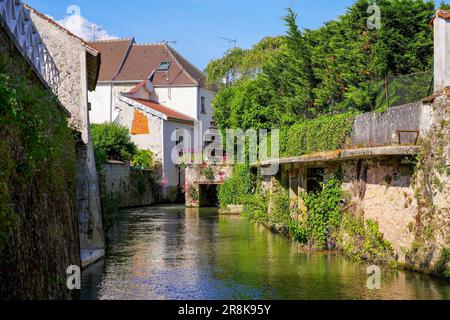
x=17, y=20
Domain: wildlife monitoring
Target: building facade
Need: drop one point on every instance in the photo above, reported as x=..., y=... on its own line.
x=173, y=93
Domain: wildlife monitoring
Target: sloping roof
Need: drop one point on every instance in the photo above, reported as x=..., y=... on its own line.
x=143, y=59
x=114, y=53
x=170, y=113
x=94, y=55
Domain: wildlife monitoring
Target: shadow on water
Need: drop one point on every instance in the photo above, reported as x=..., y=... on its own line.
x=178, y=253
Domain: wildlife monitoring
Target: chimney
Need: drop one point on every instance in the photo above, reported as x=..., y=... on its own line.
x=441, y=25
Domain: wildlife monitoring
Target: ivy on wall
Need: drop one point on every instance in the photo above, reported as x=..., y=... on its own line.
x=35, y=141
x=325, y=133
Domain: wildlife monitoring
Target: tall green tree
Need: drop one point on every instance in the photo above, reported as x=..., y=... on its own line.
x=337, y=68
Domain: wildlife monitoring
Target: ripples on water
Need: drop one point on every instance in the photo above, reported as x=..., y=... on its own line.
x=187, y=254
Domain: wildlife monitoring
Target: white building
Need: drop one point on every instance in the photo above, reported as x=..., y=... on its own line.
x=153, y=91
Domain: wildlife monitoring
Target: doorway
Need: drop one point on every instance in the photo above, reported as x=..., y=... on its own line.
x=208, y=196
x=315, y=178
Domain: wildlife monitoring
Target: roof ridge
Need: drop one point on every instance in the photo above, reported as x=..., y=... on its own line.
x=149, y=44
x=47, y=18
x=113, y=40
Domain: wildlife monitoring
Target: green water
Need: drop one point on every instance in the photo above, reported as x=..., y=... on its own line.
x=178, y=253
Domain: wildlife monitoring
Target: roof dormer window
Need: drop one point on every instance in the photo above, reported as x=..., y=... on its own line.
x=164, y=66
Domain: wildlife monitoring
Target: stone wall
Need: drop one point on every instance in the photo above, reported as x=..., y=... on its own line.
x=43, y=241
x=195, y=176
x=70, y=55
x=380, y=129
x=431, y=227
x=130, y=187
x=381, y=190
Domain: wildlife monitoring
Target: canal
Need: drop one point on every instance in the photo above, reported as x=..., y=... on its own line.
x=177, y=253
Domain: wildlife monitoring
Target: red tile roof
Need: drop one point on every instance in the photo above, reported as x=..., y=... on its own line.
x=114, y=53
x=143, y=59
x=169, y=113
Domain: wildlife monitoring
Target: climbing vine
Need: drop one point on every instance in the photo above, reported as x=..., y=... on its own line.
x=326, y=133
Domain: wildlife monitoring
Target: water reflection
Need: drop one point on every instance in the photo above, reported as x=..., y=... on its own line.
x=178, y=253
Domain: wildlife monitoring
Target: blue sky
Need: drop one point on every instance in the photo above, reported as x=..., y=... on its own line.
x=197, y=25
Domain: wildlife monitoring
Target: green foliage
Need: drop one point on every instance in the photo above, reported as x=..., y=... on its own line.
x=363, y=241
x=143, y=159
x=338, y=68
x=256, y=208
x=236, y=189
x=208, y=173
x=443, y=265
x=239, y=64
x=325, y=133
x=113, y=141
x=443, y=5
x=324, y=214
x=37, y=148
x=193, y=193
x=280, y=209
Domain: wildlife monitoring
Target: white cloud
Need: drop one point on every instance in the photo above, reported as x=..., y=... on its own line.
x=82, y=27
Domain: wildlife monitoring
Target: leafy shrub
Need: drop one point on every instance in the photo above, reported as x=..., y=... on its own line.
x=113, y=141
x=256, y=208
x=280, y=210
x=324, y=214
x=208, y=173
x=362, y=241
x=325, y=133
x=236, y=189
x=143, y=159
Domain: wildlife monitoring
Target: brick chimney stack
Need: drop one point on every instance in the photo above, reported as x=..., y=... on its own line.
x=441, y=25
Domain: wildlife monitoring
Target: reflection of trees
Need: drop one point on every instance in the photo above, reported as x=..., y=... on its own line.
x=155, y=251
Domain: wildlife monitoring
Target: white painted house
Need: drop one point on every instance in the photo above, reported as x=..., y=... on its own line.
x=153, y=90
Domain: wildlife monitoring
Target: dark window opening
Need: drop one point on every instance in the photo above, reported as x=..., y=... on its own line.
x=315, y=178
x=203, y=105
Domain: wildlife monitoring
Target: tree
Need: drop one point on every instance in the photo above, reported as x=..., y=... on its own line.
x=337, y=68
x=112, y=142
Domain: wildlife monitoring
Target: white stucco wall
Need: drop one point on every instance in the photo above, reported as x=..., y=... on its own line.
x=182, y=99
x=152, y=141
x=188, y=101
x=100, y=101
x=170, y=169
x=105, y=101
x=441, y=57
